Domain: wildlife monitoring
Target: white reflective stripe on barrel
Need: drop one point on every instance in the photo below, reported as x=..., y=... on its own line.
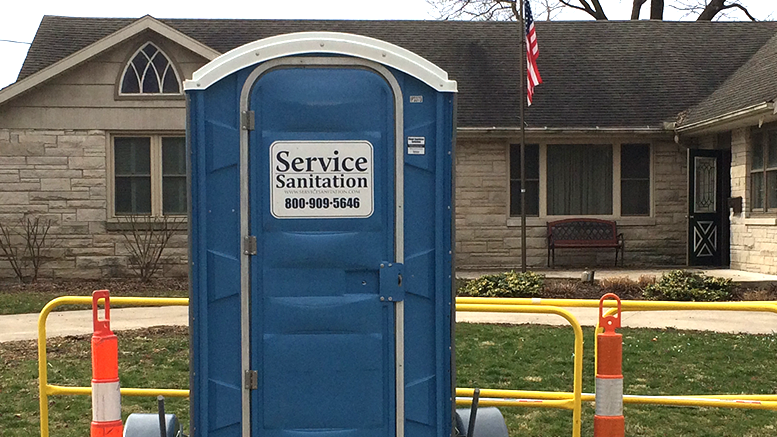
x=106, y=401
x=609, y=397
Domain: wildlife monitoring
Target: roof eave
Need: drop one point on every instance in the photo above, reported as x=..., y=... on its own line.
x=511, y=132
x=750, y=115
x=145, y=23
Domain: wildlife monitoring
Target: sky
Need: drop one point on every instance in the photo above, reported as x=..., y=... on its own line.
x=21, y=19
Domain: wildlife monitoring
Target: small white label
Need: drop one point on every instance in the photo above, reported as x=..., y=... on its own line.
x=416, y=145
x=321, y=179
x=416, y=99
x=416, y=141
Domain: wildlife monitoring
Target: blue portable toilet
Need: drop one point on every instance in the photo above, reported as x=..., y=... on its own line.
x=321, y=240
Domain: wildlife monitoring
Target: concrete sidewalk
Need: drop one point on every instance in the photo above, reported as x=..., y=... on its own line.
x=62, y=323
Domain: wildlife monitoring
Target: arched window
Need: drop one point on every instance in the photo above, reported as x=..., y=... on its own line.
x=149, y=71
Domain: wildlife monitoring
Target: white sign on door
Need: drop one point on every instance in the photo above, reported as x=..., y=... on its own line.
x=321, y=179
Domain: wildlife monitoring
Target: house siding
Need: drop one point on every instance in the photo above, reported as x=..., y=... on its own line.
x=487, y=238
x=753, y=235
x=61, y=175
x=84, y=98
x=54, y=163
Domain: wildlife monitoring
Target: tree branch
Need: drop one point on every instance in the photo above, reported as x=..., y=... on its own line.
x=635, y=8
x=599, y=11
x=712, y=9
x=703, y=10
x=657, y=9
x=742, y=8
x=490, y=11
x=595, y=11
x=550, y=8
x=567, y=4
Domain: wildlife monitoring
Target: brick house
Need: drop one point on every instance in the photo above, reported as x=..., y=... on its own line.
x=93, y=131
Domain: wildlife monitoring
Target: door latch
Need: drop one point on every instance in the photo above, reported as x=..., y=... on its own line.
x=391, y=287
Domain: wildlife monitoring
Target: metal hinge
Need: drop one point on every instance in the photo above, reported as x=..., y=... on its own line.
x=252, y=380
x=249, y=245
x=247, y=120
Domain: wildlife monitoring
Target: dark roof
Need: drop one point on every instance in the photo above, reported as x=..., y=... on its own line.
x=596, y=73
x=750, y=85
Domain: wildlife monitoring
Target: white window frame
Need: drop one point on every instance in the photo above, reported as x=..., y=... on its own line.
x=156, y=172
x=616, y=181
x=140, y=93
x=764, y=170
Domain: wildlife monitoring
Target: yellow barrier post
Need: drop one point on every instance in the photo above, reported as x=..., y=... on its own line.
x=45, y=389
x=577, y=385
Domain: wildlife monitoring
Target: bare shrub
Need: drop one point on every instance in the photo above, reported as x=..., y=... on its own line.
x=146, y=238
x=569, y=289
x=646, y=280
x=761, y=292
x=27, y=246
x=622, y=286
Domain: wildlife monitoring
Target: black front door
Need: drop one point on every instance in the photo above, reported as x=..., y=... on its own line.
x=707, y=226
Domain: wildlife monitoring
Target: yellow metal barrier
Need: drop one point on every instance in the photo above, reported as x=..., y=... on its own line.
x=759, y=402
x=46, y=389
x=488, y=396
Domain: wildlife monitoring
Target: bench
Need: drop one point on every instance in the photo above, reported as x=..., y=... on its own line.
x=580, y=233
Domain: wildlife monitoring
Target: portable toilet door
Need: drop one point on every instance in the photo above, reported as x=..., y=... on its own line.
x=321, y=182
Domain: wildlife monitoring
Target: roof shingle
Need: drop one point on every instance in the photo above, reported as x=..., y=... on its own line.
x=596, y=73
x=750, y=85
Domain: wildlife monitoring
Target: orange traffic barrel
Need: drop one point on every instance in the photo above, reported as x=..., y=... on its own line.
x=106, y=395
x=608, y=418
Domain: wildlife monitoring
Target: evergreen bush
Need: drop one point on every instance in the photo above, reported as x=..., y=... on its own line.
x=682, y=285
x=508, y=284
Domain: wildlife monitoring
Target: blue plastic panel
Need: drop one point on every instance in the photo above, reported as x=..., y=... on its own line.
x=216, y=380
x=322, y=341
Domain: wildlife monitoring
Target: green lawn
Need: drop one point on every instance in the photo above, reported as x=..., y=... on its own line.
x=31, y=298
x=488, y=356
x=655, y=362
x=148, y=358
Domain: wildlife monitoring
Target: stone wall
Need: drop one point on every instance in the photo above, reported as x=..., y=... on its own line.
x=60, y=175
x=753, y=235
x=487, y=238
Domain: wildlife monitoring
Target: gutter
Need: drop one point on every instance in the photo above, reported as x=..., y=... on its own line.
x=731, y=117
x=511, y=131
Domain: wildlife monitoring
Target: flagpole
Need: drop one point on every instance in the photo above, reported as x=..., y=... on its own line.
x=523, y=136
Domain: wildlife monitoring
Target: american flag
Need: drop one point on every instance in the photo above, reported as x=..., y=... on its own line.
x=532, y=53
